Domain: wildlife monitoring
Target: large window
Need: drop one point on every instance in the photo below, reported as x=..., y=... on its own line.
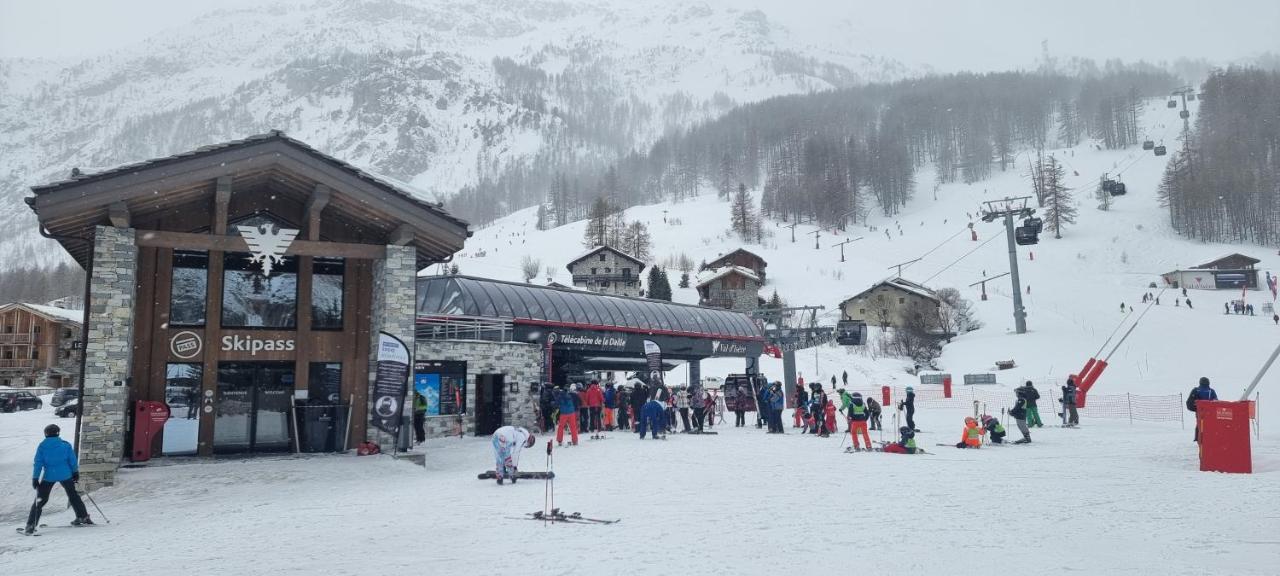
x=190, y=287
x=326, y=293
x=251, y=300
x=324, y=383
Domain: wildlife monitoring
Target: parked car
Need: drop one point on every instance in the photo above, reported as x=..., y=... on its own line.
x=62, y=395
x=68, y=410
x=19, y=400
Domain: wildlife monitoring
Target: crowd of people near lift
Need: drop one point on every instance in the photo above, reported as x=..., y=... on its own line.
x=655, y=410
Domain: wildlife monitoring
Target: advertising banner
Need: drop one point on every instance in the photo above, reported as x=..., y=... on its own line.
x=391, y=376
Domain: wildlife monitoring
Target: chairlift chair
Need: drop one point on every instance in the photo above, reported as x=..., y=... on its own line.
x=851, y=333
x=1025, y=236
x=1160, y=151
x=1148, y=145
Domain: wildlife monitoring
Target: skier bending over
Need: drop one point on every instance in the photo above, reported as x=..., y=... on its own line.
x=508, y=441
x=972, y=434
x=873, y=409
x=651, y=419
x=994, y=428
x=906, y=445
x=57, y=460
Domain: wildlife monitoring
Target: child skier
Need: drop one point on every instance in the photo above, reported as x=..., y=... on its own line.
x=906, y=445
x=507, y=443
x=858, y=415
x=972, y=435
x=829, y=414
x=994, y=429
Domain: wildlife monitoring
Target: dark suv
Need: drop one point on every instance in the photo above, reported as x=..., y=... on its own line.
x=61, y=395
x=19, y=400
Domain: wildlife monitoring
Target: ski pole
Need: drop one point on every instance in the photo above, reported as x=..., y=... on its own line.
x=95, y=507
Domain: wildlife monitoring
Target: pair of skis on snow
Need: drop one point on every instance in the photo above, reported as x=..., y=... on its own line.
x=573, y=518
x=23, y=530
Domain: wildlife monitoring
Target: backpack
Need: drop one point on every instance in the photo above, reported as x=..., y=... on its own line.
x=1191, y=400
x=367, y=449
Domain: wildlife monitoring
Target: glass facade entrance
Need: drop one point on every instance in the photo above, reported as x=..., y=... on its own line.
x=253, y=407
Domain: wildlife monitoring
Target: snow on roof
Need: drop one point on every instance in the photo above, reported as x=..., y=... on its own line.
x=54, y=312
x=711, y=275
x=584, y=255
x=901, y=284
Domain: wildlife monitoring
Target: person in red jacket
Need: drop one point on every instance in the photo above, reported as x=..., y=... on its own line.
x=830, y=413
x=593, y=398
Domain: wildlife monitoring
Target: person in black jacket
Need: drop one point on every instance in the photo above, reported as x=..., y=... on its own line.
x=873, y=409
x=1019, y=415
x=1069, y=415
x=639, y=395
x=1029, y=392
x=909, y=404
x=547, y=404
x=624, y=408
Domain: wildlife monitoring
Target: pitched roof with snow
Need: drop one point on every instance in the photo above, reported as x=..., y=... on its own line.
x=726, y=257
x=51, y=312
x=592, y=251
x=705, y=279
x=1230, y=261
x=903, y=285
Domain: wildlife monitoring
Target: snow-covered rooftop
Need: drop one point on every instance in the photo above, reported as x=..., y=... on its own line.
x=711, y=275
x=54, y=312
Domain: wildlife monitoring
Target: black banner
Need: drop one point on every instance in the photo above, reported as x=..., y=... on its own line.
x=390, y=380
x=609, y=341
x=653, y=353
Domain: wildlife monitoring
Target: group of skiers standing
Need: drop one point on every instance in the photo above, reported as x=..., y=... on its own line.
x=648, y=409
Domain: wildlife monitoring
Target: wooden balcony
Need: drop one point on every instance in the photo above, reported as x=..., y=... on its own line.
x=17, y=363
x=19, y=339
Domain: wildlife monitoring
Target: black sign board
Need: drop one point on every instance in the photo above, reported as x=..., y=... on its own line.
x=610, y=341
x=391, y=376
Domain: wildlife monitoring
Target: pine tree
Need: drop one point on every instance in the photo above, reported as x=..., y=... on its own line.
x=684, y=279
x=1059, y=209
x=659, y=286
x=542, y=217
x=597, y=231
x=743, y=216
x=636, y=241
x=724, y=184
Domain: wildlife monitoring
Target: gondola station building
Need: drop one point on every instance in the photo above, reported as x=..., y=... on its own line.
x=264, y=297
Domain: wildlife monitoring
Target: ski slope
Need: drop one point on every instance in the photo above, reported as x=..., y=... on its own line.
x=1077, y=282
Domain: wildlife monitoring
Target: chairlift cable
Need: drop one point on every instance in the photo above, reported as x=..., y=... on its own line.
x=957, y=260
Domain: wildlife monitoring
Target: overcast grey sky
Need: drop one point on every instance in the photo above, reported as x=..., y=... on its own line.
x=946, y=34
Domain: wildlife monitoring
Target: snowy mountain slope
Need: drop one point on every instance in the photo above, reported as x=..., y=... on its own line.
x=438, y=93
x=1077, y=282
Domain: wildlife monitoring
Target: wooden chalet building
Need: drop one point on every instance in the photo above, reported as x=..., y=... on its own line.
x=731, y=288
x=1230, y=272
x=39, y=345
x=884, y=303
x=608, y=271
x=742, y=258
x=232, y=281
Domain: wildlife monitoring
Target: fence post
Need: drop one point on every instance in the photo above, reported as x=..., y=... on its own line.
x=1128, y=398
x=1182, y=415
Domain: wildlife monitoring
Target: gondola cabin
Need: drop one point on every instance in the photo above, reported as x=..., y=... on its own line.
x=1160, y=151
x=1191, y=97
x=1149, y=145
x=1026, y=236
x=1173, y=104
x=1035, y=224
x=1184, y=114
x=1108, y=186
x=851, y=333
x=1119, y=189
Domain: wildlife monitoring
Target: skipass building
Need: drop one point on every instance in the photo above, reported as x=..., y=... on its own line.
x=249, y=289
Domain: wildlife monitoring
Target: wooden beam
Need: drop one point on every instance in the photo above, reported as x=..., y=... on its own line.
x=211, y=242
x=118, y=213
x=221, y=199
x=402, y=235
x=315, y=204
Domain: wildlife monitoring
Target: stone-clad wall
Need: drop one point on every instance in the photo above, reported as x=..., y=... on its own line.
x=518, y=362
x=108, y=355
x=394, y=312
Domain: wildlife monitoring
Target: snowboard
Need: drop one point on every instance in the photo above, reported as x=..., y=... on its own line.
x=490, y=475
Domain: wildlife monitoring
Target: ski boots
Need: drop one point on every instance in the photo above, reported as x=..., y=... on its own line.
x=86, y=521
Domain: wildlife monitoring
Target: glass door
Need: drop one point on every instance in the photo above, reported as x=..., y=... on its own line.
x=252, y=407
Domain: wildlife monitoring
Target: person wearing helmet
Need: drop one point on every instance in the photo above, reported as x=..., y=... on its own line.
x=972, y=437
x=909, y=404
x=993, y=428
x=873, y=410
x=858, y=415
x=56, y=460
x=907, y=443
x=508, y=441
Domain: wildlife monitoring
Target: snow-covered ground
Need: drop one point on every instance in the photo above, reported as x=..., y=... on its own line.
x=1107, y=498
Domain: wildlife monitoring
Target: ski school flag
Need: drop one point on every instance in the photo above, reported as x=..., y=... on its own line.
x=653, y=353
x=390, y=379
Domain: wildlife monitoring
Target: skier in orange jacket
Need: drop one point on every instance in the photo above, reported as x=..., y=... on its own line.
x=972, y=434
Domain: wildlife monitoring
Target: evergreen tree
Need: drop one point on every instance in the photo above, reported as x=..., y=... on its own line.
x=597, y=231
x=542, y=217
x=659, y=287
x=743, y=218
x=636, y=241
x=684, y=279
x=1059, y=209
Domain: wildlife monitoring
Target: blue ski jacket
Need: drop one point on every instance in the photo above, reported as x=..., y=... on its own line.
x=56, y=459
x=567, y=401
x=776, y=400
x=610, y=398
x=1205, y=393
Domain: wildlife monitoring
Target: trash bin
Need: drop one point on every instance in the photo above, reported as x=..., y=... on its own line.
x=323, y=427
x=1224, y=436
x=148, y=420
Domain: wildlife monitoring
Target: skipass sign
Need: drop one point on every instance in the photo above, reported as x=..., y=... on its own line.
x=391, y=379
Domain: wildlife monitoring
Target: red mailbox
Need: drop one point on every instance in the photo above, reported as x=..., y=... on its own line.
x=946, y=386
x=148, y=420
x=1224, y=436
x=884, y=393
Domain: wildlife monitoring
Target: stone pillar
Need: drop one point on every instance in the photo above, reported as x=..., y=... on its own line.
x=395, y=308
x=108, y=355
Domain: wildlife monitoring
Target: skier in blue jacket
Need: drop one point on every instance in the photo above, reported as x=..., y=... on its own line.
x=777, y=402
x=1201, y=392
x=57, y=461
